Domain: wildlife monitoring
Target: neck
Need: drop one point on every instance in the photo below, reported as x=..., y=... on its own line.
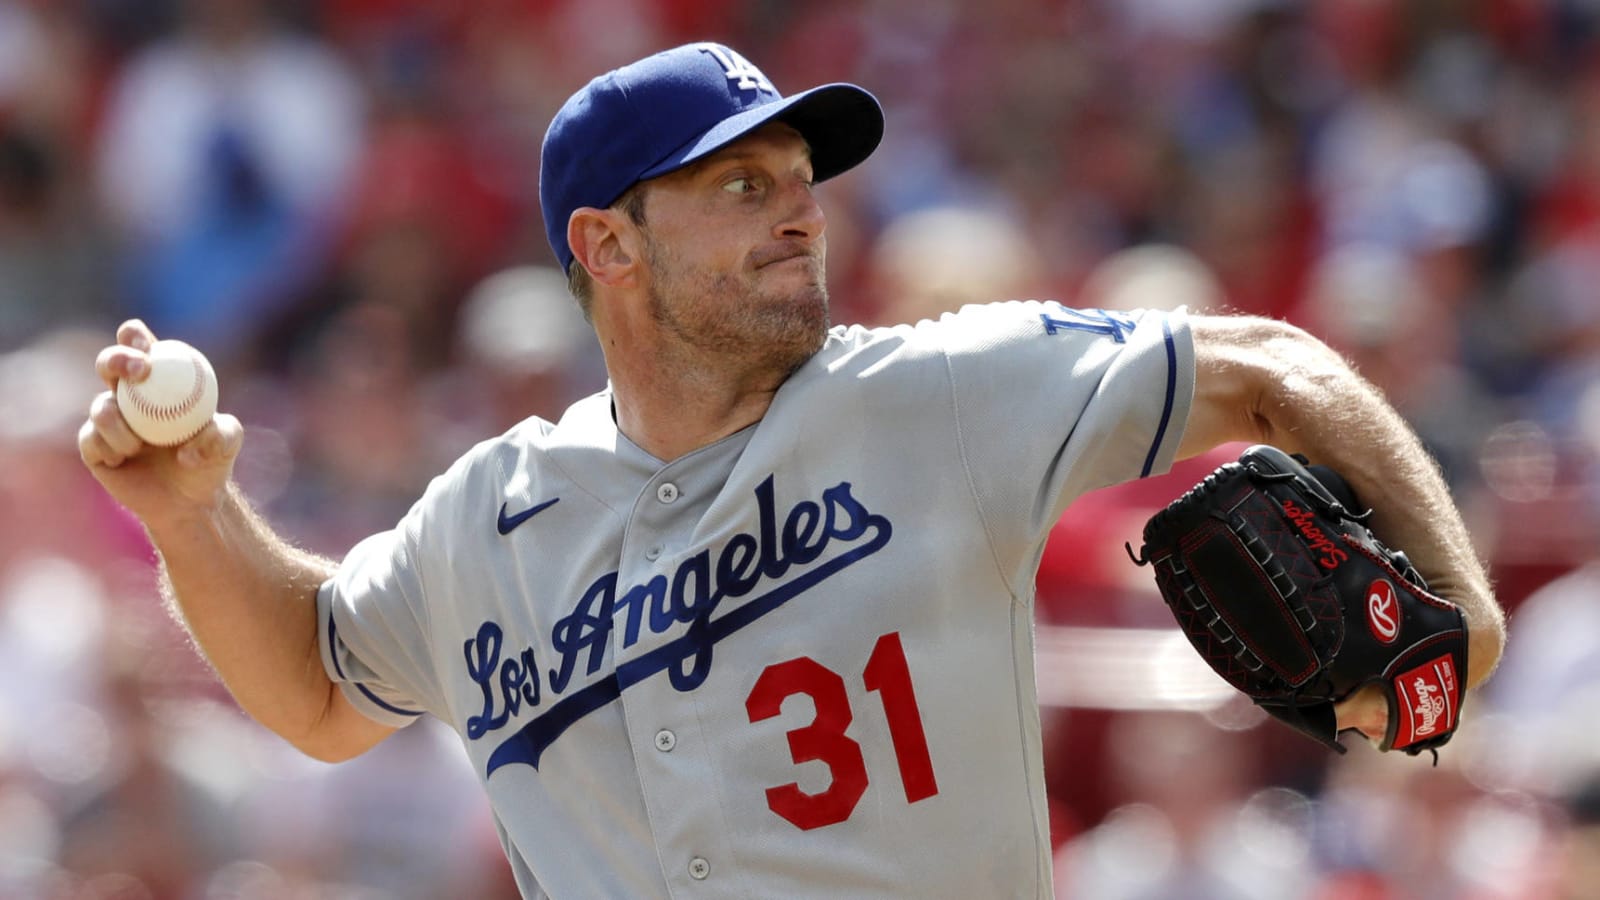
x=672, y=404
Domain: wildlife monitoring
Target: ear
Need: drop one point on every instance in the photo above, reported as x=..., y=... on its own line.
x=602, y=241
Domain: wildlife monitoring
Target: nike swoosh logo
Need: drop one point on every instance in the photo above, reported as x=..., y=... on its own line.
x=507, y=523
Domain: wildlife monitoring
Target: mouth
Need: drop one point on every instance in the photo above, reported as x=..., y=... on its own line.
x=777, y=256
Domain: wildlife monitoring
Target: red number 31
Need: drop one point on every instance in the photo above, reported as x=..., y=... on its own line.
x=824, y=739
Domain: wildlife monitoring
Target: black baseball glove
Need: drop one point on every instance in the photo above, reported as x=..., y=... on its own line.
x=1276, y=581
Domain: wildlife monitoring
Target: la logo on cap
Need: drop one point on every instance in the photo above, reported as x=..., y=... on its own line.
x=742, y=72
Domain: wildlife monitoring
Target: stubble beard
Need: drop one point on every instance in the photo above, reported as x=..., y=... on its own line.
x=723, y=316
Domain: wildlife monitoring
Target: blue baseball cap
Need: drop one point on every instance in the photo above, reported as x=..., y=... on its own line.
x=663, y=112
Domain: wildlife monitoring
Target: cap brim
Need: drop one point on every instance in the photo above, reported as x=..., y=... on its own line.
x=841, y=122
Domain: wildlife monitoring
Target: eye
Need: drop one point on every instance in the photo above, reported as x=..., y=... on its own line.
x=739, y=185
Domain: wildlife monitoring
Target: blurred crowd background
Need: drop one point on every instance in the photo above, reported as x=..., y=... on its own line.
x=337, y=202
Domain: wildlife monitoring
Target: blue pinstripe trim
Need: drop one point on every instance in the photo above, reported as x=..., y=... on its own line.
x=390, y=707
x=1172, y=390
x=333, y=652
x=333, y=645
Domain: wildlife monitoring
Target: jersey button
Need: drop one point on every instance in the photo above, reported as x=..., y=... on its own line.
x=699, y=869
x=653, y=554
x=666, y=740
x=667, y=492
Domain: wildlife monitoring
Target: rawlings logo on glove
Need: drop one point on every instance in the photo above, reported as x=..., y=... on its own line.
x=1278, y=583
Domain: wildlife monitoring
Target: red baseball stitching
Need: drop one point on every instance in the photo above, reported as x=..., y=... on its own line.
x=168, y=413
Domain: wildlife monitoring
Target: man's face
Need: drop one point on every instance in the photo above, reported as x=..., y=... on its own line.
x=735, y=251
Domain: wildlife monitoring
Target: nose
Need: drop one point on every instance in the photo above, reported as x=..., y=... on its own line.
x=803, y=218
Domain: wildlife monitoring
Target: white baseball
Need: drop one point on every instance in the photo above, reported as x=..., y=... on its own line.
x=176, y=401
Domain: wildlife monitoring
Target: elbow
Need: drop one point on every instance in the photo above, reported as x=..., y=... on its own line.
x=336, y=733
x=318, y=744
x=1295, y=364
x=1295, y=371
x=326, y=752
x=1252, y=377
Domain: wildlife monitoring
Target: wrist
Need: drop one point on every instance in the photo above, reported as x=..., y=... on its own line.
x=193, y=518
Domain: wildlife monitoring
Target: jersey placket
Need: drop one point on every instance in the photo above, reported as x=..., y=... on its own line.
x=670, y=747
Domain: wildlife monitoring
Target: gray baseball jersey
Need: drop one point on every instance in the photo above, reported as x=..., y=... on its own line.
x=797, y=662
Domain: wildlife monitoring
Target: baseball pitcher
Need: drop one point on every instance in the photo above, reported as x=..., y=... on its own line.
x=755, y=620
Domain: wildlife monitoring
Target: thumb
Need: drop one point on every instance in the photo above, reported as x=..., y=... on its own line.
x=218, y=442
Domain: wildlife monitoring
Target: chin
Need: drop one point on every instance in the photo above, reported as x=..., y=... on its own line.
x=792, y=331
x=805, y=315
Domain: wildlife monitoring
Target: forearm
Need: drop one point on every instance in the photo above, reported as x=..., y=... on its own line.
x=249, y=601
x=1310, y=401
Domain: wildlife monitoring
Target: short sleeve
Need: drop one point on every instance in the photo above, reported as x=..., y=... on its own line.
x=371, y=629
x=1052, y=402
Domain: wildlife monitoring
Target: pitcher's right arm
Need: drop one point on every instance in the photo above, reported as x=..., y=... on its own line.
x=246, y=597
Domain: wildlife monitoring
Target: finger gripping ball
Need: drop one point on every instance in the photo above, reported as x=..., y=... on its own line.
x=175, y=401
